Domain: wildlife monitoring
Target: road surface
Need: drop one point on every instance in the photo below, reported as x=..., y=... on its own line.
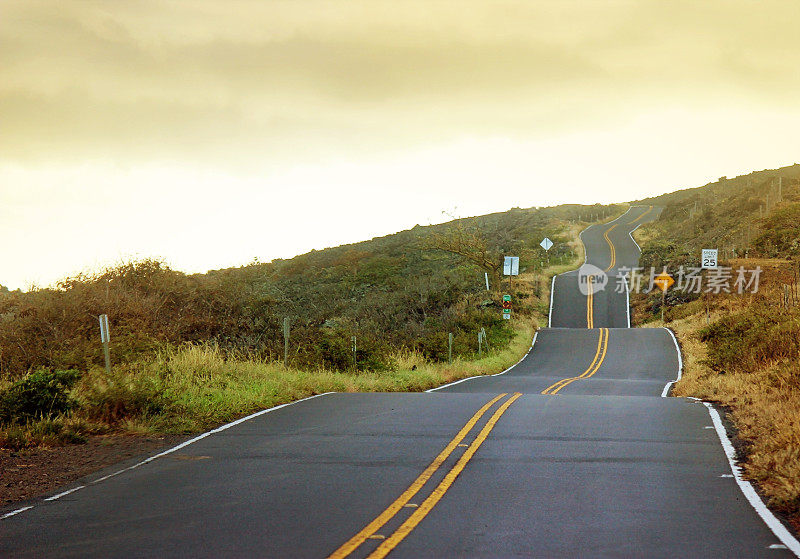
x=571, y=453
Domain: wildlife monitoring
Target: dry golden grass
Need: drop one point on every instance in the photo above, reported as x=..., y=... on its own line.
x=763, y=404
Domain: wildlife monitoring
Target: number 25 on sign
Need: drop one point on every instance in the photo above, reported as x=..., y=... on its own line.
x=708, y=258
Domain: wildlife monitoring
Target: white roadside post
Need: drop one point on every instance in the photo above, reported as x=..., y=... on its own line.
x=286, y=341
x=105, y=338
x=449, y=348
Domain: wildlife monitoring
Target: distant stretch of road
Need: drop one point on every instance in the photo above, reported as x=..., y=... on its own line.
x=571, y=453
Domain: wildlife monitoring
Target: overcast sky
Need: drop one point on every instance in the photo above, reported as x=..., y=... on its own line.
x=211, y=133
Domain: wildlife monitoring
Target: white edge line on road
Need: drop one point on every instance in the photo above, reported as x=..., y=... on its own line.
x=585, y=258
x=483, y=376
x=680, y=364
x=580, y=238
x=206, y=434
x=13, y=512
x=65, y=493
x=747, y=488
x=628, y=303
x=630, y=234
x=171, y=450
x=627, y=290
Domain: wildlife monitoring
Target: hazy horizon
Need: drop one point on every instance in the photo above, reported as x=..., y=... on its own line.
x=211, y=133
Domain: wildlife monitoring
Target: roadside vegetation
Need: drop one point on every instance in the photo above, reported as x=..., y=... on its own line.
x=192, y=351
x=741, y=351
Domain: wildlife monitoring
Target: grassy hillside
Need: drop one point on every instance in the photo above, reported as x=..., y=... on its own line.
x=740, y=350
x=193, y=350
x=739, y=216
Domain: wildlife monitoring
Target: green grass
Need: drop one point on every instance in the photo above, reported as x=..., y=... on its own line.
x=197, y=387
x=206, y=389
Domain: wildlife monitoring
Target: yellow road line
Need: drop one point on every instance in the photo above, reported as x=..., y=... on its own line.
x=591, y=371
x=590, y=303
x=392, y=541
x=611, y=246
x=649, y=209
x=557, y=385
x=353, y=543
x=599, y=357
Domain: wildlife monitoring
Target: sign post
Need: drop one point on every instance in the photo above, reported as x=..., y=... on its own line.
x=105, y=337
x=511, y=266
x=663, y=281
x=355, y=358
x=507, y=307
x=708, y=261
x=547, y=244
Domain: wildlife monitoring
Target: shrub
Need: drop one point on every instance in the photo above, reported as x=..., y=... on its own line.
x=781, y=236
x=42, y=394
x=749, y=340
x=13, y=438
x=121, y=395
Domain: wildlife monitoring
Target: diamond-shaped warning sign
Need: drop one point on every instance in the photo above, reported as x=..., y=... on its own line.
x=663, y=281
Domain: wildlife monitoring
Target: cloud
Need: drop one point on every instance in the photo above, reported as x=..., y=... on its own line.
x=232, y=82
x=194, y=130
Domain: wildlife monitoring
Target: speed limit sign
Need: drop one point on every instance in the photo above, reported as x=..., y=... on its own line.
x=708, y=258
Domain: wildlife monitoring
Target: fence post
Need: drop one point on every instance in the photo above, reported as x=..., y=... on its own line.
x=450, y=348
x=286, y=341
x=105, y=337
x=355, y=359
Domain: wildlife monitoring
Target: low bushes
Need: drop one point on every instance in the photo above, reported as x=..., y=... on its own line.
x=40, y=395
x=752, y=339
x=199, y=386
x=121, y=395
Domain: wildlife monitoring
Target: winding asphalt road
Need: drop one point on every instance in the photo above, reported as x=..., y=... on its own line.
x=571, y=453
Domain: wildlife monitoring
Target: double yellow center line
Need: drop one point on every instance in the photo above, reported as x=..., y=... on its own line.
x=613, y=261
x=611, y=264
x=590, y=302
x=389, y=543
x=649, y=209
x=599, y=356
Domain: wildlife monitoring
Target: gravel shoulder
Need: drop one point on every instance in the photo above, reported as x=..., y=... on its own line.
x=35, y=472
